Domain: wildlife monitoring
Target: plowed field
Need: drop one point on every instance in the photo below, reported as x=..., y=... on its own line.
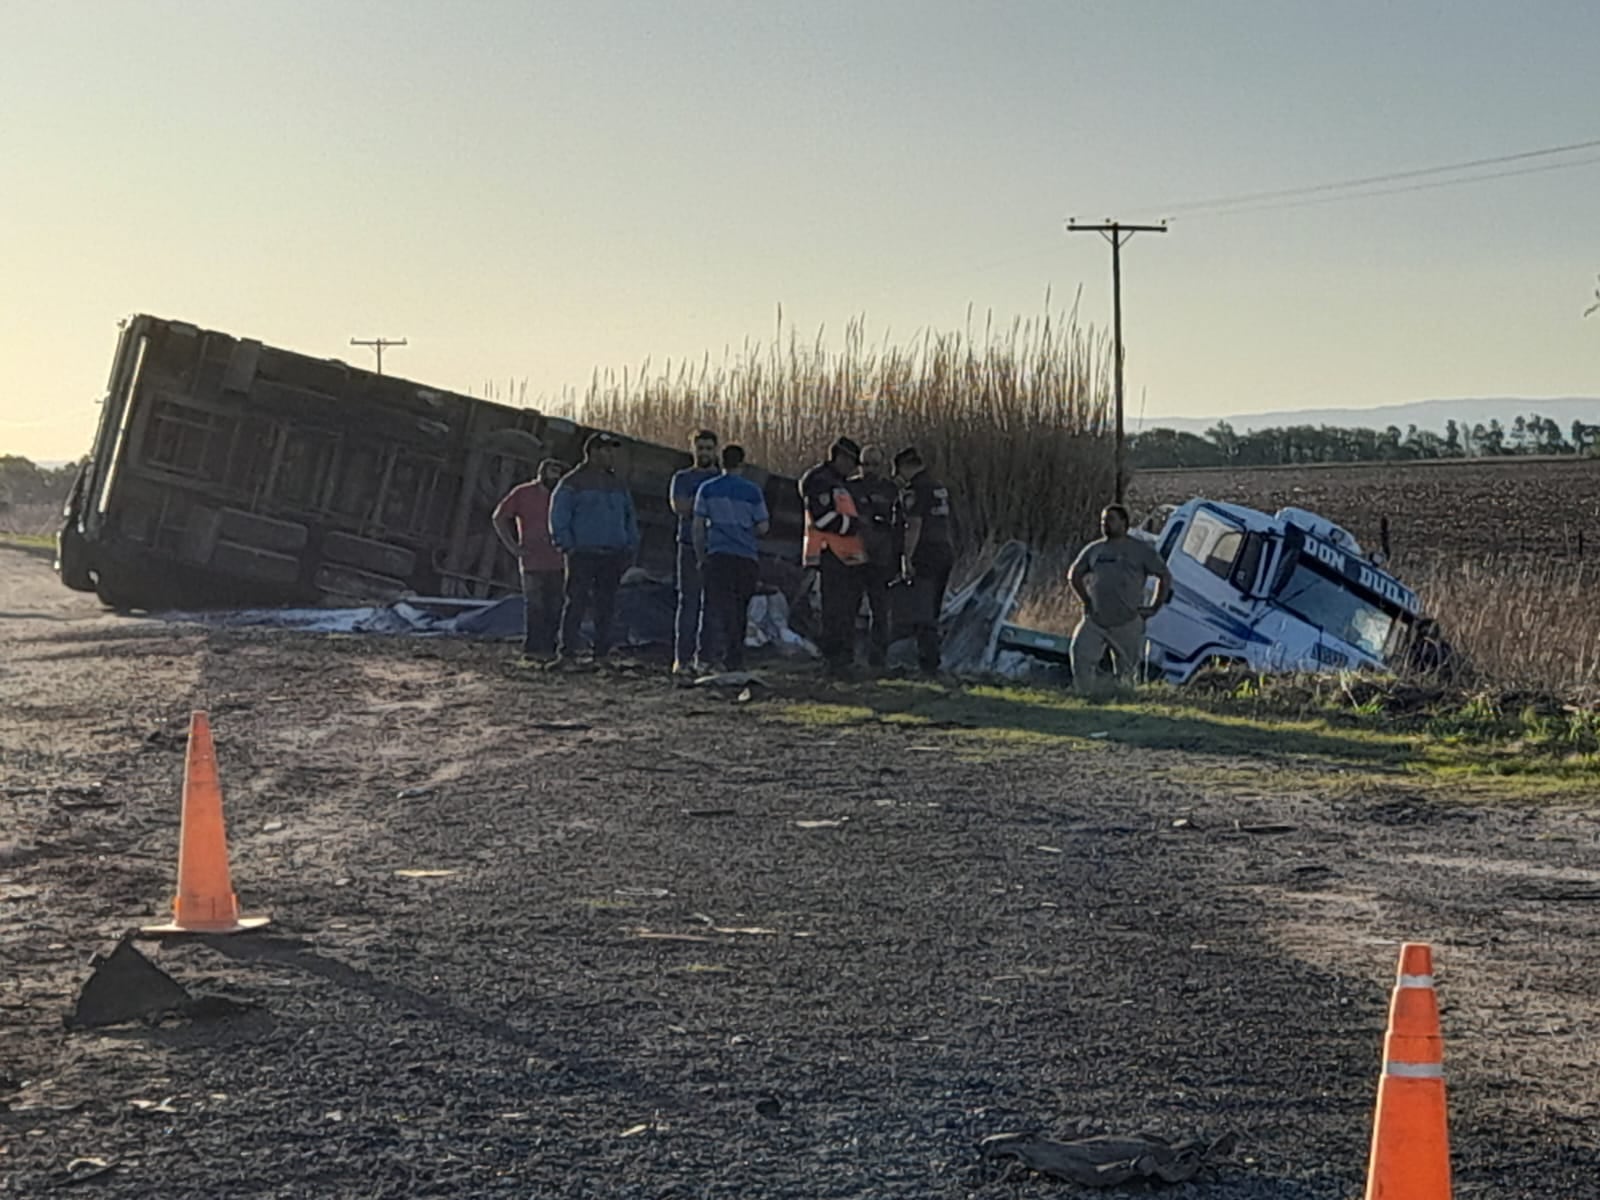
x=1468, y=508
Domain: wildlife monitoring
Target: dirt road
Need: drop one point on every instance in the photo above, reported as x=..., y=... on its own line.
x=690, y=947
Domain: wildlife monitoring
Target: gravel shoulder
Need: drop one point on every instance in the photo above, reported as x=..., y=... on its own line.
x=658, y=911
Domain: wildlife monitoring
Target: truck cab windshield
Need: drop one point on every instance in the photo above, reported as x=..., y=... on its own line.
x=1331, y=604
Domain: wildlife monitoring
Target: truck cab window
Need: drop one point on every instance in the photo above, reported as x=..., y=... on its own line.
x=1213, y=543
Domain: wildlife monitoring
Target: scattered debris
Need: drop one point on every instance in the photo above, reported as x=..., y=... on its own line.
x=425, y=872
x=272, y=827
x=1108, y=1161
x=82, y=1170
x=652, y=935
x=52, y=789
x=821, y=823
x=125, y=986
x=163, y=1107
x=730, y=679
x=414, y=793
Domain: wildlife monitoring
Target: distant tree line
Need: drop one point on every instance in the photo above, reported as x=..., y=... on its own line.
x=1223, y=446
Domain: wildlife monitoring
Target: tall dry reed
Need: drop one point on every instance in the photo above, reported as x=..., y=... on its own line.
x=1015, y=420
x=1519, y=622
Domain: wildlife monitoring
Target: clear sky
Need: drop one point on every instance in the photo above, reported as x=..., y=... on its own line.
x=534, y=190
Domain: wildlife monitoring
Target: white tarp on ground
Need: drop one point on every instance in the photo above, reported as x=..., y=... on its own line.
x=768, y=621
x=970, y=621
x=389, y=618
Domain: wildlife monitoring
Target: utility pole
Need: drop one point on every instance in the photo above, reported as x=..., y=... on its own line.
x=1117, y=233
x=378, y=344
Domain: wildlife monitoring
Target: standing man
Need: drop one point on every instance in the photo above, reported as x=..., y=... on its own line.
x=593, y=523
x=730, y=514
x=834, y=547
x=929, y=554
x=691, y=587
x=1109, y=577
x=878, y=500
x=522, y=523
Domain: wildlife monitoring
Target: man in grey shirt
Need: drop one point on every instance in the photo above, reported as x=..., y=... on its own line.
x=1109, y=577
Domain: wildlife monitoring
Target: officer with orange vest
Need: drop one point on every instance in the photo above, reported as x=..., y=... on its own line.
x=834, y=546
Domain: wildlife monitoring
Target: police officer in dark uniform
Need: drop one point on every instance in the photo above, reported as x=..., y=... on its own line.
x=835, y=549
x=878, y=501
x=929, y=552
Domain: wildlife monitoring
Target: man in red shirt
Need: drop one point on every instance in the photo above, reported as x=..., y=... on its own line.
x=522, y=522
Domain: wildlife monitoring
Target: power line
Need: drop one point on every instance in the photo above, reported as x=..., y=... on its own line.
x=1309, y=195
x=1369, y=180
x=1313, y=201
x=1312, y=195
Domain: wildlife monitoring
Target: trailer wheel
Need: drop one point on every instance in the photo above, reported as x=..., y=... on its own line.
x=110, y=596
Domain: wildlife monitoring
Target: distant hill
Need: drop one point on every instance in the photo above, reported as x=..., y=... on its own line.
x=1424, y=414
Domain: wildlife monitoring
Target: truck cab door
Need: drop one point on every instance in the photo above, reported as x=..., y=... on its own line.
x=1217, y=568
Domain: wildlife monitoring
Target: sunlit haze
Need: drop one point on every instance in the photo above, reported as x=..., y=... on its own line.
x=532, y=191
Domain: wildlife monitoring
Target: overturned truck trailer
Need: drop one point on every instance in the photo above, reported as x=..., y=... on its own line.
x=225, y=471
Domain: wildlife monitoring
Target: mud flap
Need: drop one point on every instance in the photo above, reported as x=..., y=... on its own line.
x=72, y=559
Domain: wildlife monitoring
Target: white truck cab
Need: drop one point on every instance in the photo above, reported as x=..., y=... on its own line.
x=1288, y=592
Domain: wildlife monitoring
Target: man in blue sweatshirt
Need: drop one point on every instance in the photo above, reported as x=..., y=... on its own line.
x=730, y=518
x=593, y=524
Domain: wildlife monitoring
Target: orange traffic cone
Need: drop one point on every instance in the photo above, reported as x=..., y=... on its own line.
x=1410, y=1132
x=205, y=901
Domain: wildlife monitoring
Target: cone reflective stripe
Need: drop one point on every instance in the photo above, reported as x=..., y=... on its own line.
x=1410, y=1130
x=205, y=901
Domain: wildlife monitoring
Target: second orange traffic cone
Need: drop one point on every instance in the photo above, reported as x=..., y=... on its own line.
x=205, y=901
x=1410, y=1131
